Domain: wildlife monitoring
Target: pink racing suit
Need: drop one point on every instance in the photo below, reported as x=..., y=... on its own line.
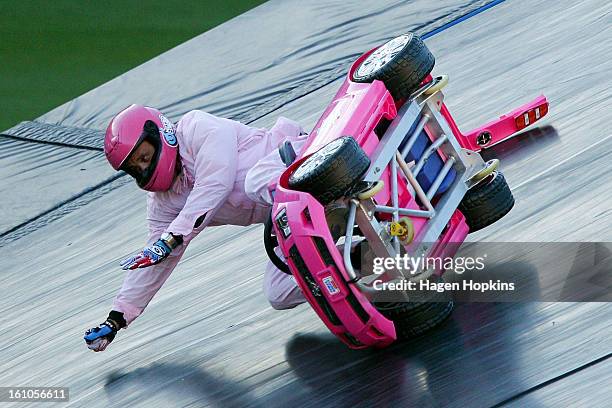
x=226, y=169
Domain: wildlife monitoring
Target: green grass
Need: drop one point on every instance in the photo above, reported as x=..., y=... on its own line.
x=54, y=51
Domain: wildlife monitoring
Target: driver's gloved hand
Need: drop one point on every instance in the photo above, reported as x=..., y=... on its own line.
x=153, y=254
x=99, y=337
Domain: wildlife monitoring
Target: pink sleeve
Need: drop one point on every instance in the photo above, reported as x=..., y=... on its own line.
x=216, y=155
x=141, y=285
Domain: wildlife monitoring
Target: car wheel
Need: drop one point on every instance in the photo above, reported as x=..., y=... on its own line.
x=401, y=64
x=487, y=202
x=330, y=172
x=415, y=318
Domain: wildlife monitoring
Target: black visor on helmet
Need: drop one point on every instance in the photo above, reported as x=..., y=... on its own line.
x=150, y=133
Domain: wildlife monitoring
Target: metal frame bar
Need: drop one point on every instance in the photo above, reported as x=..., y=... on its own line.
x=403, y=211
x=395, y=201
x=440, y=177
x=348, y=243
x=428, y=152
x=415, y=184
x=415, y=135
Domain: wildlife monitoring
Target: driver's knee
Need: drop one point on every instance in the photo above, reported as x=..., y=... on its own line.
x=281, y=304
x=288, y=301
x=281, y=289
x=256, y=184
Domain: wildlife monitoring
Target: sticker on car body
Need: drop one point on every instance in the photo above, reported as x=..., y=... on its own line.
x=330, y=285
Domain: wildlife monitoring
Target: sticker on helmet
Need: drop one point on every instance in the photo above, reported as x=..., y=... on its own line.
x=167, y=130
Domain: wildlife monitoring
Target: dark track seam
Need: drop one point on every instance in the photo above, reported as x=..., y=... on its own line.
x=83, y=198
x=50, y=142
x=552, y=380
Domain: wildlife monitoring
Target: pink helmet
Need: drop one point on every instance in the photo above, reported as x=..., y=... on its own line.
x=128, y=129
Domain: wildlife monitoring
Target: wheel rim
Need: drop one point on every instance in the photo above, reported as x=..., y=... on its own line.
x=487, y=180
x=318, y=157
x=382, y=55
x=438, y=83
x=489, y=168
x=371, y=192
x=407, y=239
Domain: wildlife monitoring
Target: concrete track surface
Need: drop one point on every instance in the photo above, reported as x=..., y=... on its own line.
x=209, y=338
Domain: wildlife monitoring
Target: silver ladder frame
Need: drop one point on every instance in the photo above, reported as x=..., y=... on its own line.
x=407, y=125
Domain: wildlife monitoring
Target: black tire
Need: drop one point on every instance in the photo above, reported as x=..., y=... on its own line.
x=331, y=171
x=487, y=202
x=412, y=319
x=404, y=72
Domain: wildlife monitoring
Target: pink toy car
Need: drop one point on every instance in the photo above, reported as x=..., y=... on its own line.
x=386, y=172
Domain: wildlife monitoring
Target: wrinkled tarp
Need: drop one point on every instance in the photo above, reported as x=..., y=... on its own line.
x=217, y=341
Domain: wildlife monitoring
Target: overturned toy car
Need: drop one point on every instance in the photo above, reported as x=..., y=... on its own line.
x=386, y=171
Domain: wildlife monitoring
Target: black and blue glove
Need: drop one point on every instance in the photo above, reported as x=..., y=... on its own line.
x=98, y=338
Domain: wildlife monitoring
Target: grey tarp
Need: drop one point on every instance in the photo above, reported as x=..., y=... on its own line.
x=209, y=337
